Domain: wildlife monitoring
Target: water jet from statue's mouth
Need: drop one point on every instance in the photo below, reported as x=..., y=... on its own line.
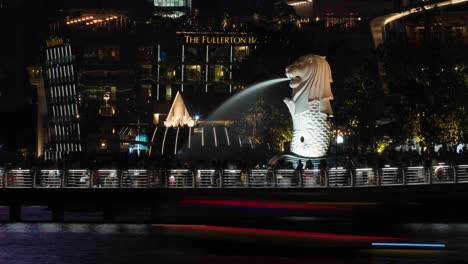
x=293, y=78
x=295, y=81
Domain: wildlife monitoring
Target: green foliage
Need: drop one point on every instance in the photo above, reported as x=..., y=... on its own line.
x=361, y=104
x=430, y=86
x=265, y=123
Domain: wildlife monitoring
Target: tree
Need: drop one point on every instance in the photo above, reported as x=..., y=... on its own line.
x=360, y=107
x=266, y=123
x=429, y=84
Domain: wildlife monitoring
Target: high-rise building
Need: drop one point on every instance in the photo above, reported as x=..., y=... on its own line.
x=110, y=81
x=62, y=95
x=172, y=8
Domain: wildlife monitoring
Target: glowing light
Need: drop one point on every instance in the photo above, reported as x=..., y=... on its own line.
x=378, y=24
x=273, y=232
x=386, y=244
x=301, y=3
x=339, y=139
x=265, y=205
x=179, y=115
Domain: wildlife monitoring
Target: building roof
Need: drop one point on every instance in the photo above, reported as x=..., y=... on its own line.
x=179, y=115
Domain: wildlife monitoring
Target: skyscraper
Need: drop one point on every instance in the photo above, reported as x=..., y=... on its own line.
x=172, y=8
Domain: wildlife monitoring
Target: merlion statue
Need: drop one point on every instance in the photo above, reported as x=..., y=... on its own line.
x=310, y=104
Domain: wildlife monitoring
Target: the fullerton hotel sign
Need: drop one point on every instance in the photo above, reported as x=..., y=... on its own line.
x=210, y=39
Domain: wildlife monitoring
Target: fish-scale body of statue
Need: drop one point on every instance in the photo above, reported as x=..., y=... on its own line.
x=309, y=105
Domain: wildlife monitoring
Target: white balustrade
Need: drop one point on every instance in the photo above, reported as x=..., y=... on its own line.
x=207, y=178
x=19, y=178
x=233, y=178
x=365, y=177
x=338, y=177
x=313, y=178
x=135, y=178
x=391, y=176
x=77, y=178
x=442, y=174
x=260, y=178
x=461, y=173
x=2, y=177
x=105, y=178
x=180, y=179
x=204, y=178
x=287, y=178
x=416, y=175
x=48, y=179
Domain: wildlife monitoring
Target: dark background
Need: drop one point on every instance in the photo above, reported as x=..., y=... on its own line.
x=24, y=25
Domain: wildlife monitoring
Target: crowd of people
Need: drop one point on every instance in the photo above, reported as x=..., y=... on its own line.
x=357, y=159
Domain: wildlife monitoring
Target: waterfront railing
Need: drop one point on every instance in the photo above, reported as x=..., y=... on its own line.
x=233, y=178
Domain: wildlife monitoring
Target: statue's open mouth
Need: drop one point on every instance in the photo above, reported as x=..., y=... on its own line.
x=295, y=80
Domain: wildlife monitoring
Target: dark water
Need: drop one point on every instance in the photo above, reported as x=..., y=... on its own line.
x=142, y=243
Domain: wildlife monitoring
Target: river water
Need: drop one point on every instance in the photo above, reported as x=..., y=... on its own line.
x=140, y=243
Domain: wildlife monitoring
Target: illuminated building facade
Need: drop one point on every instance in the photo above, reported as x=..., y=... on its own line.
x=172, y=8
x=417, y=19
x=62, y=100
x=110, y=81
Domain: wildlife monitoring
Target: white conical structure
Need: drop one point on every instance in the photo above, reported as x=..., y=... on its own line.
x=310, y=104
x=179, y=115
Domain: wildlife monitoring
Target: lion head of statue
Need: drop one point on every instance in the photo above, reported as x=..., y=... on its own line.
x=310, y=80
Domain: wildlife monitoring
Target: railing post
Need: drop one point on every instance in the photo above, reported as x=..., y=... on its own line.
x=300, y=178
x=429, y=175
x=62, y=180
x=327, y=180
x=351, y=177
x=455, y=178
x=148, y=177
x=194, y=178
x=119, y=177
x=379, y=176
x=33, y=179
x=91, y=179
x=275, y=183
x=403, y=173
x=90, y=182
x=166, y=178
x=221, y=181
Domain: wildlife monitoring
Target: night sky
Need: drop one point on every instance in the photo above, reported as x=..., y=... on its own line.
x=24, y=23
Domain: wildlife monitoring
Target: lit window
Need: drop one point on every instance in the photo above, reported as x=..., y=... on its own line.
x=146, y=69
x=193, y=72
x=168, y=92
x=218, y=72
x=240, y=52
x=146, y=89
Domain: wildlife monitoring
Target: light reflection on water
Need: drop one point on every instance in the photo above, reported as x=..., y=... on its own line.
x=34, y=228
x=37, y=243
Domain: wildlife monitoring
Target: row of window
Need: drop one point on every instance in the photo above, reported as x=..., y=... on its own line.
x=59, y=55
x=68, y=132
x=192, y=72
x=61, y=74
x=66, y=148
x=64, y=112
x=106, y=54
x=63, y=93
x=192, y=53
